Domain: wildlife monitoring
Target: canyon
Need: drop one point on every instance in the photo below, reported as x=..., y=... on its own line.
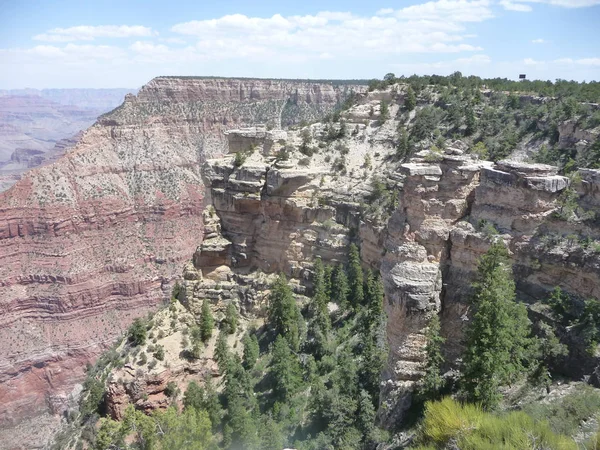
x=276, y=210
x=96, y=238
x=223, y=183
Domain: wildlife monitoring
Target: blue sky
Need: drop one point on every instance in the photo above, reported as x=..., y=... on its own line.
x=108, y=43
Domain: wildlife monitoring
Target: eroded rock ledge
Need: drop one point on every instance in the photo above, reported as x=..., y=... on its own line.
x=269, y=215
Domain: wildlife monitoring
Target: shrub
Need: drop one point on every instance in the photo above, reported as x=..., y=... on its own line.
x=159, y=353
x=171, y=390
x=137, y=332
x=240, y=158
x=143, y=359
x=469, y=428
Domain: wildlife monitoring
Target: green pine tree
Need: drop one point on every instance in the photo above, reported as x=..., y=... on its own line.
x=207, y=322
x=411, y=100
x=222, y=355
x=231, y=318
x=339, y=287
x=470, y=121
x=271, y=437
x=497, y=336
x=283, y=312
x=366, y=418
x=374, y=299
x=251, y=350
x=403, y=147
x=319, y=300
x=286, y=371
x=432, y=381
x=355, y=276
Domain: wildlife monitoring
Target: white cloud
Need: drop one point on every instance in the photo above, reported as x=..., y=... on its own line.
x=89, y=33
x=433, y=27
x=511, y=6
x=173, y=40
x=451, y=10
x=520, y=5
x=539, y=41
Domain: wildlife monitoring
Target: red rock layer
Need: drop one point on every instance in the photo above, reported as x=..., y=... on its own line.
x=95, y=239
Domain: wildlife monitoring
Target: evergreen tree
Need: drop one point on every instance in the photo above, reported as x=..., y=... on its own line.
x=403, y=148
x=366, y=418
x=384, y=111
x=328, y=279
x=222, y=355
x=240, y=431
x=194, y=396
x=547, y=349
x=374, y=299
x=497, y=342
x=339, y=287
x=283, y=312
x=470, y=121
x=286, y=371
x=251, y=350
x=207, y=322
x=355, y=275
x=211, y=403
x=373, y=361
x=197, y=342
x=432, y=381
x=271, y=437
x=319, y=300
x=411, y=100
x=231, y=318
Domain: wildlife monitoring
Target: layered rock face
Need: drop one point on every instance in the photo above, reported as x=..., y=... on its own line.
x=274, y=214
x=96, y=238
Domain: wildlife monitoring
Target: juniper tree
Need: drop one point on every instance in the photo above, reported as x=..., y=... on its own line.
x=497, y=336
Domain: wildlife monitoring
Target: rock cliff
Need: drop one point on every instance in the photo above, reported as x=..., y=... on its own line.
x=277, y=209
x=96, y=238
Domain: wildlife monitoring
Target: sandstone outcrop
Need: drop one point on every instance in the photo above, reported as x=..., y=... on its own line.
x=96, y=238
x=267, y=215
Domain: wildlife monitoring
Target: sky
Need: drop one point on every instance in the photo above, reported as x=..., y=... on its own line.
x=125, y=43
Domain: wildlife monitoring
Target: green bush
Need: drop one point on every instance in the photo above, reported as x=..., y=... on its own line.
x=159, y=352
x=137, y=332
x=468, y=427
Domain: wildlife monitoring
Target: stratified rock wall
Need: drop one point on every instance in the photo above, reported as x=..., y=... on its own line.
x=95, y=239
x=450, y=207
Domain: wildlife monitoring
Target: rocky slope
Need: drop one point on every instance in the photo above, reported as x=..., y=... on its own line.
x=298, y=195
x=95, y=239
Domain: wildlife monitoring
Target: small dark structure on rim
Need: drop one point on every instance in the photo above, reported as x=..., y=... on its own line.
x=522, y=77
